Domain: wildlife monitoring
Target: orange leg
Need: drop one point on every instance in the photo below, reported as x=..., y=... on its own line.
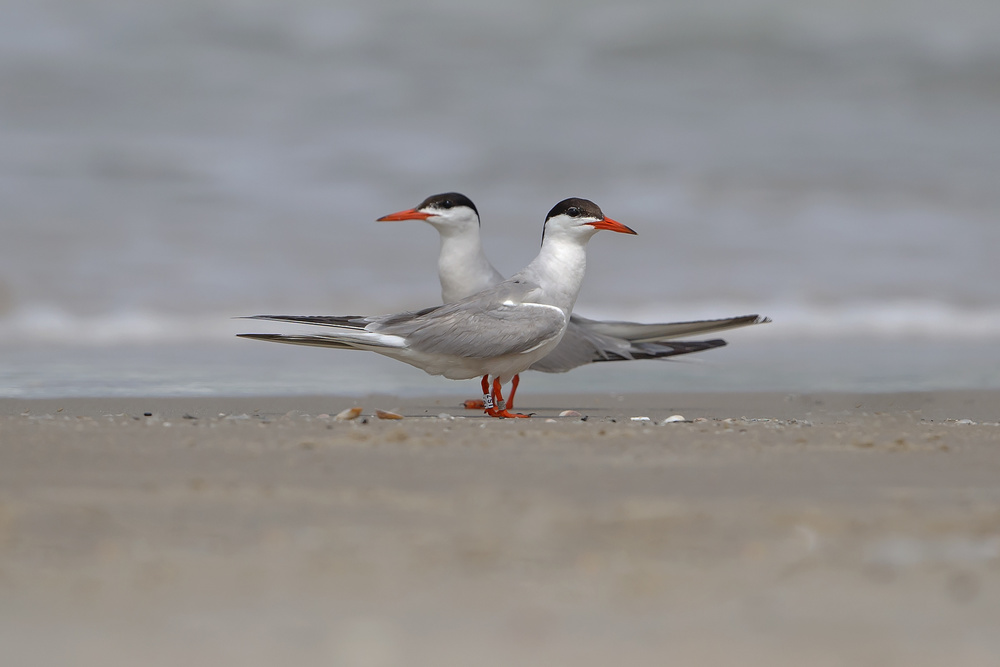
x=489, y=406
x=500, y=409
x=513, y=390
x=479, y=403
x=490, y=399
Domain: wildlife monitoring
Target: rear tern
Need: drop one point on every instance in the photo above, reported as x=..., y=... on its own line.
x=495, y=333
x=463, y=270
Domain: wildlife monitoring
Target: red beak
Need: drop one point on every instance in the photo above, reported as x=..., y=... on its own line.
x=408, y=214
x=612, y=226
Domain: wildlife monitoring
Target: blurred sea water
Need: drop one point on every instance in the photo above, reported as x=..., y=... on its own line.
x=166, y=166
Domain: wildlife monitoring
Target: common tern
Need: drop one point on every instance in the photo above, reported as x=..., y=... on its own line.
x=464, y=269
x=496, y=333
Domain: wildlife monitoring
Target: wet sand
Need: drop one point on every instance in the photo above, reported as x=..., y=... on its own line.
x=766, y=529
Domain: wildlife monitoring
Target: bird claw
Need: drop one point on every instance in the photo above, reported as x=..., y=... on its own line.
x=503, y=414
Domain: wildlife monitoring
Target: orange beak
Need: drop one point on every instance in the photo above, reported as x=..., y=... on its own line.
x=611, y=226
x=408, y=214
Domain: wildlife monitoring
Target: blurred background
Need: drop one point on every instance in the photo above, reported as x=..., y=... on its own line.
x=165, y=166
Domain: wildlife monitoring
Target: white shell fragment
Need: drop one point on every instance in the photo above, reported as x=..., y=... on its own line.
x=385, y=414
x=674, y=418
x=348, y=414
x=640, y=419
x=570, y=413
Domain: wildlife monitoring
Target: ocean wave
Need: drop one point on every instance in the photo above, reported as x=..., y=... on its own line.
x=50, y=325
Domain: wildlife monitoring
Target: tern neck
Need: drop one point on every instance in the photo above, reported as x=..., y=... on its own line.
x=559, y=269
x=463, y=268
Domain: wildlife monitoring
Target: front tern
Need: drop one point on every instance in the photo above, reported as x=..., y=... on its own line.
x=495, y=333
x=463, y=270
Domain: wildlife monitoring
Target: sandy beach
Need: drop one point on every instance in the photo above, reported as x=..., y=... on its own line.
x=765, y=529
x=170, y=168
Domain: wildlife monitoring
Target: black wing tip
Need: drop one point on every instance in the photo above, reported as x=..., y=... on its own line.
x=749, y=319
x=665, y=350
x=260, y=336
x=290, y=318
x=349, y=321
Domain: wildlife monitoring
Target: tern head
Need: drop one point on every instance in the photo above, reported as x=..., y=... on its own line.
x=450, y=211
x=580, y=219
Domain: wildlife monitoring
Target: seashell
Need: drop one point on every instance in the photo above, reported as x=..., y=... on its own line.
x=348, y=414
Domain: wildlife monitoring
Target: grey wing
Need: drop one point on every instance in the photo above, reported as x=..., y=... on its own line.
x=587, y=341
x=579, y=347
x=639, y=333
x=486, y=331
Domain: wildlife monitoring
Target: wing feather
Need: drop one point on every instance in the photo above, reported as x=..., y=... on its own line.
x=646, y=333
x=484, y=333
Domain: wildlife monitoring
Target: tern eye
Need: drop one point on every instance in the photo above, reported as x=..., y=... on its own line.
x=573, y=212
x=447, y=203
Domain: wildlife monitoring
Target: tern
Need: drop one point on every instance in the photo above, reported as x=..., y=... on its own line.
x=495, y=333
x=464, y=270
